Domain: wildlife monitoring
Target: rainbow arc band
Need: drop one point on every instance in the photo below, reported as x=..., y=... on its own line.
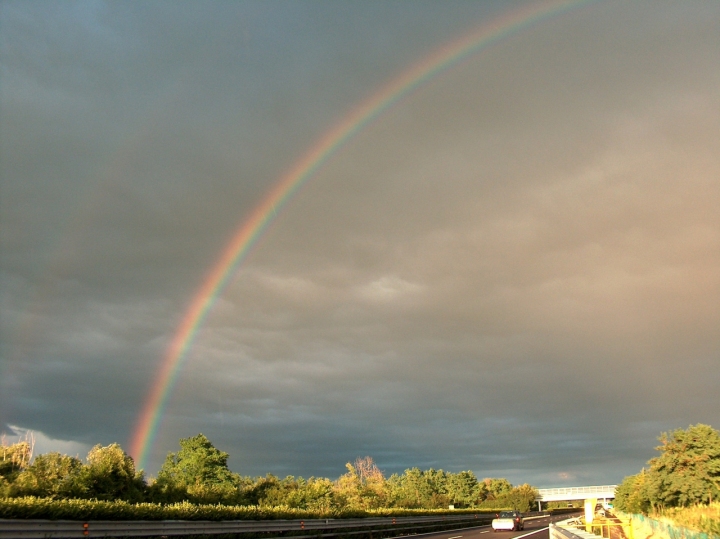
x=301, y=171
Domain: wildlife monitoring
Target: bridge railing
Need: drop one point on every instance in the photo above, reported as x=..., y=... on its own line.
x=570, y=493
x=577, y=490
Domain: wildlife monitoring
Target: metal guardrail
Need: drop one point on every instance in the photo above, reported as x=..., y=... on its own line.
x=577, y=528
x=40, y=529
x=567, y=529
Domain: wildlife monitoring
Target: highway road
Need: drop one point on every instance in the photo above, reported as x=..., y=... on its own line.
x=535, y=528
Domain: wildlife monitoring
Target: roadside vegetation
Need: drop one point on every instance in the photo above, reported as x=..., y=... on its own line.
x=77, y=509
x=703, y=518
x=195, y=482
x=682, y=484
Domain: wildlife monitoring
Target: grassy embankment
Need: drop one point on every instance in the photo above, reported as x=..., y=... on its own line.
x=693, y=522
x=702, y=518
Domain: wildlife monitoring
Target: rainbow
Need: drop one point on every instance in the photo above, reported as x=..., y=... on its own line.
x=253, y=227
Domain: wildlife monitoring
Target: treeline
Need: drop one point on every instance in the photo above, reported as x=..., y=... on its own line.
x=198, y=473
x=686, y=473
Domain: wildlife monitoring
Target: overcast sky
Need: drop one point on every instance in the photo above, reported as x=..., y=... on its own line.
x=514, y=270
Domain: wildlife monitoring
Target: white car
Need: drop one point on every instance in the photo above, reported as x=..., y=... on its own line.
x=508, y=520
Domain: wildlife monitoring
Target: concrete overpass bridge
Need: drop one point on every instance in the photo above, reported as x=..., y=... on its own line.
x=590, y=495
x=561, y=494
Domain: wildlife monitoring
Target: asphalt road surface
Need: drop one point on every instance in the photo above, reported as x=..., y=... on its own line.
x=535, y=528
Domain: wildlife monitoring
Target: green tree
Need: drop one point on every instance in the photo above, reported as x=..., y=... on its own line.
x=51, y=475
x=347, y=488
x=198, y=472
x=14, y=458
x=259, y=490
x=373, y=487
x=631, y=495
x=311, y=494
x=277, y=492
x=419, y=489
x=463, y=489
x=521, y=497
x=688, y=469
x=496, y=487
x=416, y=488
x=110, y=475
x=437, y=486
x=319, y=495
x=363, y=486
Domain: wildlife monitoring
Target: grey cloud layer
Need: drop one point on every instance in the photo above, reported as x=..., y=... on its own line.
x=514, y=270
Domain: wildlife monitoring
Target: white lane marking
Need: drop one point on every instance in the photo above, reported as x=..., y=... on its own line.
x=437, y=533
x=532, y=532
x=486, y=531
x=455, y=537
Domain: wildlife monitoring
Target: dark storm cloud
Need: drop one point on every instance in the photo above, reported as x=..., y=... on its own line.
x=514, y=270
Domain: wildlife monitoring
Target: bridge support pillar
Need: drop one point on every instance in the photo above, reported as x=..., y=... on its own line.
x=590, y=504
